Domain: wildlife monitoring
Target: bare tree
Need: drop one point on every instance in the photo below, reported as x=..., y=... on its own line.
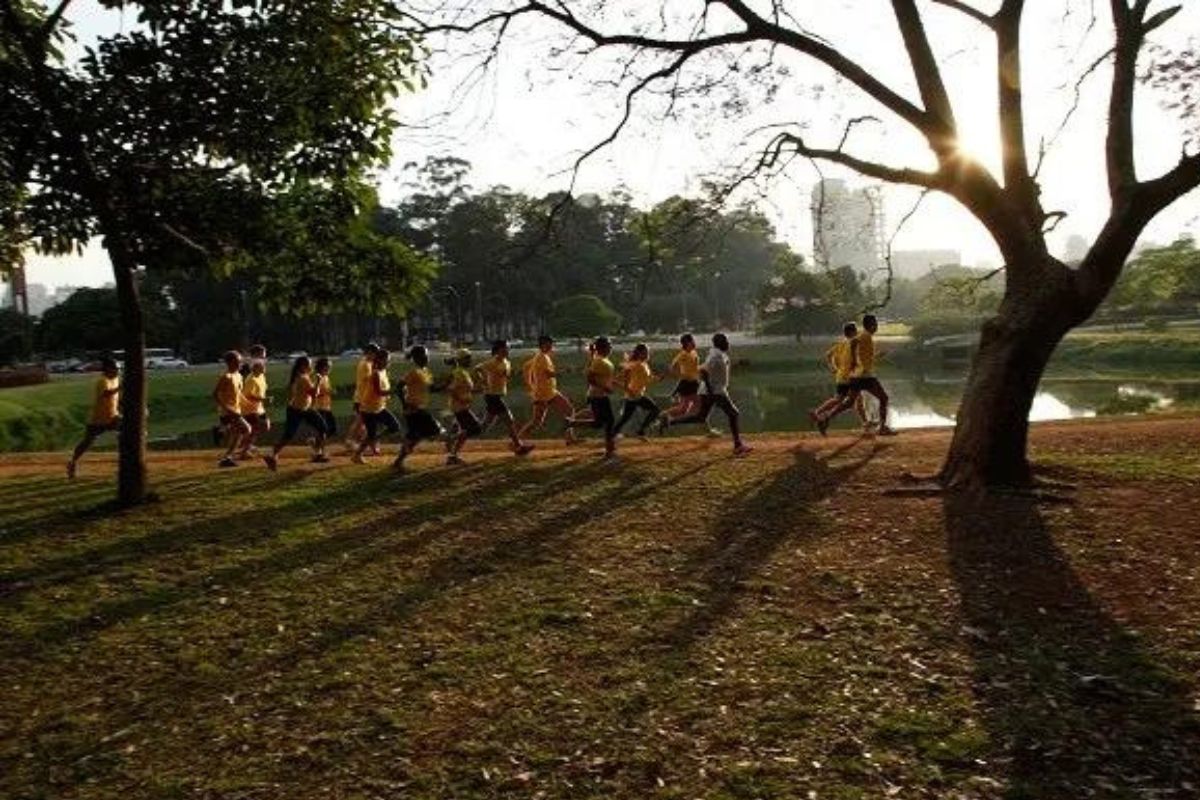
x=1044, y=298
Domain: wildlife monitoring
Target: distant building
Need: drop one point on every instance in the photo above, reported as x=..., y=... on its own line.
x=848, y=228
x=39, y=298
x=913, y=264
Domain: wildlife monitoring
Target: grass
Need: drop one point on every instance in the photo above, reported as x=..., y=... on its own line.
x=685, y=625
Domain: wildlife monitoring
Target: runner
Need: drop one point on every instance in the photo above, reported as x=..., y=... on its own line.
x=253, y=406
x=494, y=374
x=373, y=406
x=714, y=375
x=839, y=358
x=105, y=416
x=636, y=377
x=362, y=385
x=419, y=424
x=461, y=393
x=863, y=380
x=302, y=389
x=542, y=380
x=600, y=378
x=228, y=396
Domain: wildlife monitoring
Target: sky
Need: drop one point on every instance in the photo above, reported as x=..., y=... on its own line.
x=523, y=122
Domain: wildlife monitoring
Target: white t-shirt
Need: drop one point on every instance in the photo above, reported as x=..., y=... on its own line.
x=717, y=367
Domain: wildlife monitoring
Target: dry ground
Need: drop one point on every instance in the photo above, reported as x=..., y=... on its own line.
x=681, y=625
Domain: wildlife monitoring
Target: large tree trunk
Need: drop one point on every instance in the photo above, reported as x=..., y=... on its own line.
x=991, y=434
x=131, y=464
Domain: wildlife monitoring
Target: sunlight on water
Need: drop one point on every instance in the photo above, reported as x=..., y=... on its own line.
x=1157, y=399
x=1046, y=407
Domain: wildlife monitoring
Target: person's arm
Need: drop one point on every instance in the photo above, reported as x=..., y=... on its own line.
x=378, y=385
x=853, y=354
x=216, y=392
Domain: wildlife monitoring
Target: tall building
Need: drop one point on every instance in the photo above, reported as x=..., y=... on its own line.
x=38, y=297
x=848, y=227
x=913, y=264
x=1076, y=249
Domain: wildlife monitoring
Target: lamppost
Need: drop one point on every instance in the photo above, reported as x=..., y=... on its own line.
x=478, y=313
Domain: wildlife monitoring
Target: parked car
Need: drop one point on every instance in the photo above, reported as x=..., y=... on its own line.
x=353, y=352
x=167, y=363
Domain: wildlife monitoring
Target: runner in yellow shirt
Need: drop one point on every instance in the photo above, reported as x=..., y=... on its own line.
x=494, y=374
x=323, y=401
x=636, y=377
x=541, y=376
x=302, y=391
x=686, y=367
x=839, y=358
x=372, y=405
x=601, y=375
x=105, y=414
x=228, y=396
x=362, y=384
x=862, y=374
x=460, y=392
x=419, y=424
x=253, y=406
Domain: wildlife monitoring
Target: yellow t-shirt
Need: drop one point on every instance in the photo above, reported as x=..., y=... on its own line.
x=362, y=378
x=324, y=398
x=229, y=393
x=637, y=379
x=300, y=393
x=373, y=401
x=105, y=408
x=541, y=377
x=839, y=357
x=416, y=387
x=460, y=389
x=601, y=372
x=687, y=364
x=495, y=373
x=866, y=354
x=254, y=386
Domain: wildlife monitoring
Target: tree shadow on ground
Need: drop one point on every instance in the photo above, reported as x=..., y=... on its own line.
x=754, y=525
x=1075, y=700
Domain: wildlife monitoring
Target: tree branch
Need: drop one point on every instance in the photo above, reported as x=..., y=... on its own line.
x=1010, y=91
x=929, y=77
x=1119, y=153
x=790, y=142
x=970, y=11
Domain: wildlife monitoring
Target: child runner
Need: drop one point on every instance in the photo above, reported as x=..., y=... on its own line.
x=542, y=379
x=862, y=370
x=839, y=359
x=105, y=416
x=600, y=378
x=495, y=373
x=323, y=402
x=228, y=397
x=714, y=374
x=686, y=366
x=419, y=424
x=461, y=393
x=253, y=407
x=362, y=385
x=373, y=406
x=636, y=377
x=302, y=389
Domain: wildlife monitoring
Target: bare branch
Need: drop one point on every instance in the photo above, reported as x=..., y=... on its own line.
x=790, y=142
x=1010, y=91
x=942, y=133
x=970, y=11
x=53, y=19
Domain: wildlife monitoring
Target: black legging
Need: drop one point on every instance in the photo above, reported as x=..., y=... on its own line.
x=296, y=417
x=631, y=407
x=707, y=403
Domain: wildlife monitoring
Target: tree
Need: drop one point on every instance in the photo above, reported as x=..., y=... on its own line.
x=581, y=316
x=188, y=133
x=684, y=51
x=89, y=322
x=1161, y=279
x=16, y=333
x=795, y=301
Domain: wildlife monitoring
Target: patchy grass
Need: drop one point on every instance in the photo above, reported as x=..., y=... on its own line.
x=683, y=625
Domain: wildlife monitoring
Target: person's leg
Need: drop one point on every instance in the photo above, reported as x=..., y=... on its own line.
x=563, y=405
x=628, y=409
x=89, y=437
x=700, y=415
x=371, y=424
x=733, y=415
x=537, y=419
x=652, y=413
x=876, y=390
x=315, y=421
x=236, y=430
x=603, y=413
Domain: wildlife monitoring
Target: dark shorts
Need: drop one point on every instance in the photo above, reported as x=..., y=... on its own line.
x=374, y=420
x=96, y=430
x=330, y=421
x=421, y=425
x=602, y=413
x=468, y=423
x=869, y=384
x=687, y=388
x=231, y=419
x=495, y=405
x=710, y=401
x=254, y=419
x=295, y=418
x=844, y=389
